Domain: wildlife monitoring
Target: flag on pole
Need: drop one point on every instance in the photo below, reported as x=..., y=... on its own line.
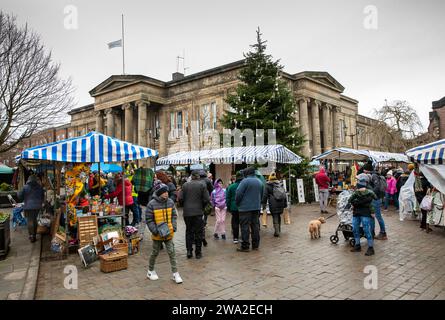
x=115, y=44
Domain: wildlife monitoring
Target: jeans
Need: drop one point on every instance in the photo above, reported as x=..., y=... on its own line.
x=324, y=196
x=393, y=197
x=137, y=212
x=250, y=227
x=378, y=215
x=194, y=227
x=235, y=224
x=277, y=222
x=157, y=244
x=366, y=223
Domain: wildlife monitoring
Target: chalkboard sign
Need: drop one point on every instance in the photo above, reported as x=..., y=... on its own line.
x=88, y=254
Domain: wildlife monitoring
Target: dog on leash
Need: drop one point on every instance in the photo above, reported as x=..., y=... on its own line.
x=315, y=227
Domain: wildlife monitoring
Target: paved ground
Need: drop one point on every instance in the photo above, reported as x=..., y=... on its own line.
x=410, y=265
x=19, y=271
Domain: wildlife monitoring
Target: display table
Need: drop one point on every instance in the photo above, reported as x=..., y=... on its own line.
x=113, y=216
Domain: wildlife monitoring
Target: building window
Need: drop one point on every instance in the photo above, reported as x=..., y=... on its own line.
x=206, y=116
x=179, y=123
x=157, y=129
x=186, y=121
x=172, y=124
x=214, y=114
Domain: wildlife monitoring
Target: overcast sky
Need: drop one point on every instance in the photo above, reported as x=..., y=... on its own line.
x=402, y=59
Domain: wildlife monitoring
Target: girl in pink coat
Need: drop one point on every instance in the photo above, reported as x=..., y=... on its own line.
x=391, y=191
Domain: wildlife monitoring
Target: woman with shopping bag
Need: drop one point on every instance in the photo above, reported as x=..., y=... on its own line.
x=33, y=196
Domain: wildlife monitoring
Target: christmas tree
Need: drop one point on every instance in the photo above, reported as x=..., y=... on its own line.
x=263, y=100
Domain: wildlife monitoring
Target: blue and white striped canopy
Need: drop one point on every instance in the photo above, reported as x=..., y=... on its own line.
x=361, y=155
x=274, y=153
x=92, y=147
x=432, y=153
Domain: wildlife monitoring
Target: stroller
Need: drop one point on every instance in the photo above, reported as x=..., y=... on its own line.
x=17, y=213
x=344, y=212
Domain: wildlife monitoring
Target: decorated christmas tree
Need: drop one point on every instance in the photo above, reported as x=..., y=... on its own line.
x=263, y=100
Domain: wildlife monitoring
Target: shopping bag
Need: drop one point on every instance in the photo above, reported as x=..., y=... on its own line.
x=426, y=203
x=264, y=218
x=286, y=216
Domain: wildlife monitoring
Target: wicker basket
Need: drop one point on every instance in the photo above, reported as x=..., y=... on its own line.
x=113, y=261
x=122, y=246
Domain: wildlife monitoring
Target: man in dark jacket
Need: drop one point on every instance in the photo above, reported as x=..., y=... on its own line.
x=377, y=203
x=232, y=207
x=248, y=199
x=33, y=196
x=361, y=201
x=209, y=186
x=275, y=189
x=196, y=198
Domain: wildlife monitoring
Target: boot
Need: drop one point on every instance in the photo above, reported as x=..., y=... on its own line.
x=198, y=254
x=204, y=242
x=370, y=251
x=357, y=248
x=276, y=226
x=189, y=254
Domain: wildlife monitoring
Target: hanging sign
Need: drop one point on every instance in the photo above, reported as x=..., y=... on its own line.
x=316, y=192
x=300, y=188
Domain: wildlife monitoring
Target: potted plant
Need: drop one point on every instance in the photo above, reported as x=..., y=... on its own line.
x=5, y=238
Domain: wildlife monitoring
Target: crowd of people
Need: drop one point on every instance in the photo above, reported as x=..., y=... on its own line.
x=376, y=189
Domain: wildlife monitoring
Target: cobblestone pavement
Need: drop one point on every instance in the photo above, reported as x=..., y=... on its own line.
x=410, y=265
x=18, y=272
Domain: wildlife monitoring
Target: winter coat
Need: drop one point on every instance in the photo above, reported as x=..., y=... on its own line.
x=195, y=197
x=362, y=202
x=249, y=194
x=161, y=210
x=230, y=196
x=275, y=206
x=401, y=181
x=32, y=195
x=322, y=180
x=218, y=197
x=392, y=186
x=119, y=194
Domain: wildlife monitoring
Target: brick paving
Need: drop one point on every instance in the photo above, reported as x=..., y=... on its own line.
x=410, y=266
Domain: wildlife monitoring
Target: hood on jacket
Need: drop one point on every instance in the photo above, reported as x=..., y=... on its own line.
x=216, y=184
x=159, y=198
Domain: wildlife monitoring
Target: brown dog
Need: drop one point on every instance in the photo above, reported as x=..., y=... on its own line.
x=315, y=227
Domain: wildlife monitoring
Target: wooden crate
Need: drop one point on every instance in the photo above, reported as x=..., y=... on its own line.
x=87, y=229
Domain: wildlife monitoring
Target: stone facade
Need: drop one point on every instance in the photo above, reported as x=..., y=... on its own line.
x=161, y=114
x=436, y=127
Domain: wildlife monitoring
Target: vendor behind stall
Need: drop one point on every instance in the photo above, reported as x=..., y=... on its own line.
x=119, y=194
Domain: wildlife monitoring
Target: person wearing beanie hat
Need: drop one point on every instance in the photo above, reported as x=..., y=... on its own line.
x=161, y=211
x=411, y=167
x=233, y=208
x=391, y=190
x=273, y=176
x=361, y=201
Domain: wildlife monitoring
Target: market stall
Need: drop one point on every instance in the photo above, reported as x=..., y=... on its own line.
x=82, y=213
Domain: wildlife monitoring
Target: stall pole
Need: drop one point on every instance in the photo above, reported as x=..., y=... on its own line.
x=290, y=190
x=100, y=184
x=123, y=189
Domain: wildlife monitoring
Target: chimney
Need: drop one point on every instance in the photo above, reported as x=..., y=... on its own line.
x=177, y=76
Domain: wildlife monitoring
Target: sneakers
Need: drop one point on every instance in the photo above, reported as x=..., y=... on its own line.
x=235, y=241
x=370, y=251
x=152, y=275
x=216, y=236
x=223, y=237
x=381, y=236
x=176, y=278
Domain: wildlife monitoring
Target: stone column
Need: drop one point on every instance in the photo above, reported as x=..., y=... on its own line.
x=327, y=132
x=142, y=123
x=110, y=122
x=128, y=122
x=304, y=125
x=163, y=133
x=99, y=121
x=316, y=138
x=118, y=125
x=336, y=124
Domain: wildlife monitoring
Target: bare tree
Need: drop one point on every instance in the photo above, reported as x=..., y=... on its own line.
x=399, y=125
x=32, y=95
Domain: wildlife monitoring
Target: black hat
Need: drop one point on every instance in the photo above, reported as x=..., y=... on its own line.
x=368, y=167
x=196, y=173
x=160, y=189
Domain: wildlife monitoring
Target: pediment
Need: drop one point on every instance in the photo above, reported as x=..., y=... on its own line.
x=116, y=82
x=324, y=78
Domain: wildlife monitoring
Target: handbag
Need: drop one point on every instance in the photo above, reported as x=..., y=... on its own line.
x=286, y=216
x=163, y=229
x=264, y=218
x=427, y=203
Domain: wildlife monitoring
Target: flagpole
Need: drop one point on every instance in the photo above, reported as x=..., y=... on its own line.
x=123, y=46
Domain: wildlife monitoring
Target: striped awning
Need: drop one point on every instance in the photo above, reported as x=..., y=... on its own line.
x=274, y=153
x=92, y=147
x=343, y=154
x=432, y=153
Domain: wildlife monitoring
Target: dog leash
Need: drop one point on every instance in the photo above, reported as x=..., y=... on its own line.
x=330, y=216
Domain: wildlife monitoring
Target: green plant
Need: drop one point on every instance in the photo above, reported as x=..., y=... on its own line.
x=5, y=187
x=4, y=217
